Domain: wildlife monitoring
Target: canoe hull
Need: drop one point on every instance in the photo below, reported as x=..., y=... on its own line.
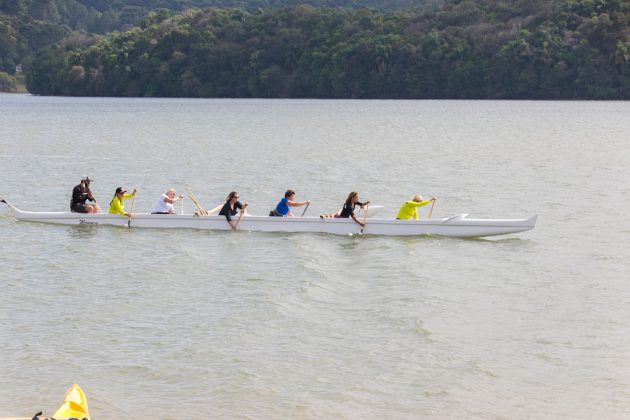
x=456, y=226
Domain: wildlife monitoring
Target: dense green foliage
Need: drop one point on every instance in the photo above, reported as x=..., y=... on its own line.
x=7, y=82
x=28, y=25
x=19, y=37
x=102, y=16
x=466, y=49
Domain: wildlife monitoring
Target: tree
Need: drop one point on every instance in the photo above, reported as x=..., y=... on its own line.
x=7, y=82
x=622, y=54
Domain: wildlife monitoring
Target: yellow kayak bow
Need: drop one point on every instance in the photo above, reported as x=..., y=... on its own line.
x=74, y=405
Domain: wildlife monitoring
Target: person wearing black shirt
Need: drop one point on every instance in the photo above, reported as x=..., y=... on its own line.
x=80, y=194
x=348, y=208
x=230, y=207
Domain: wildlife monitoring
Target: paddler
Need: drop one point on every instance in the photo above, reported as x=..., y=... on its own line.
x=117, y=206
x=283, y=209
x=410, y=208
x=165, y=204
x=347, y=210
x=80, y=194
x=230, y=207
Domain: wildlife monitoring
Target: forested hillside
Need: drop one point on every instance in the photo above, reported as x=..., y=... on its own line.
x=102, y=16
x=28, y=25
x=466, y=49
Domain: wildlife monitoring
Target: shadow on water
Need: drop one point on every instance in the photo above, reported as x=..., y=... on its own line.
x=353, y=243
x=82, y=231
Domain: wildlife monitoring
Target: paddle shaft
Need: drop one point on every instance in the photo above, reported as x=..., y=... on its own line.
x=431, y=211
x=133, y=201
x=367, y=206
x=202, y=211
x=307, y=204
x=196, y=203
x=239, y=219
x=89, y=191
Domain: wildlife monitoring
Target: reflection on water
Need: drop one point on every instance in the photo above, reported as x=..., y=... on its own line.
x=82, y=231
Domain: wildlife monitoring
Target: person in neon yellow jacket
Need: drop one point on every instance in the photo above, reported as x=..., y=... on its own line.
x=410, y=208
x=116, y=206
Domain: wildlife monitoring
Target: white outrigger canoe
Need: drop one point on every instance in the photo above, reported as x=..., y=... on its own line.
x=456, y=226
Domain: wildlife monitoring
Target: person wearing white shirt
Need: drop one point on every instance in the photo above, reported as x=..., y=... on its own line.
x=165, y=204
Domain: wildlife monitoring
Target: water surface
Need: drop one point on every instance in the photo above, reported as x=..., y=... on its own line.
x=183, y=324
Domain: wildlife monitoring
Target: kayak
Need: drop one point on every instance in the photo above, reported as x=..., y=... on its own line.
x=455, y=226
x=74, y=405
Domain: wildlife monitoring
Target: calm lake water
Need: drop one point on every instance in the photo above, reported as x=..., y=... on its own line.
x=187, y=324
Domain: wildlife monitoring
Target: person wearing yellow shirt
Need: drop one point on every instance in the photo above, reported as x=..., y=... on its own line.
x=117, y=206
x=410, y=208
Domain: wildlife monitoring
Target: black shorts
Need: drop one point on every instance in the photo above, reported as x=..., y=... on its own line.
x=79, y=208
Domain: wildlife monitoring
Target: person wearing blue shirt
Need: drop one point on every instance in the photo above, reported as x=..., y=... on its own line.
x=283, y=208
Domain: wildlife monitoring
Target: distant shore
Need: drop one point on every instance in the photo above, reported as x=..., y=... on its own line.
x=21, y=84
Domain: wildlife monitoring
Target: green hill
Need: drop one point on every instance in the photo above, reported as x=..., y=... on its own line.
x=465, y=49
x=28, y=25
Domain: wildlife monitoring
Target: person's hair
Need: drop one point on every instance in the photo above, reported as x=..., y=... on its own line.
x=351, y=196
x=417, y=198
x=119, y=190
x=289, y=193
x=231, y=195
x=173, y=190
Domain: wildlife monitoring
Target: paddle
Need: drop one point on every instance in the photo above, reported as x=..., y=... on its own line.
x=431, y=211
x=240, y=215
x=87, y=187
x=133, y=201
x=202, y=211
x=367, y=206
x=307, y=204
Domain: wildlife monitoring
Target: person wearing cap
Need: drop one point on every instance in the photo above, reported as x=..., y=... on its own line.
x=410, y=208
x=165, y=204
x=80, y=194
x=117, y=205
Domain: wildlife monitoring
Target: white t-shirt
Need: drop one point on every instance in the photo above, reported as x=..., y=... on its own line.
x=162, y=206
